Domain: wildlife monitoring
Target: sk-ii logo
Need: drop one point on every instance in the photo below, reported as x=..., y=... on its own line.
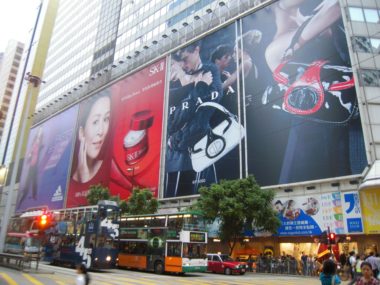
x=156, y=68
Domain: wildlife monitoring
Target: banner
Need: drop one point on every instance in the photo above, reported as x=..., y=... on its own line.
x=118, y=137
x=310, y=215
x=203, y=130
x=45, y=167
x=302, y=114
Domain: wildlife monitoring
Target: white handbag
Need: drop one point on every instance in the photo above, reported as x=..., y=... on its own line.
x=218, y=142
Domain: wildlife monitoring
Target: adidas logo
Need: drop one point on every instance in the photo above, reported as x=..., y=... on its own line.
x=57, y=196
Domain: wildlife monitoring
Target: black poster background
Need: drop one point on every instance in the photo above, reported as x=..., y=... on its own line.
x=283, y=147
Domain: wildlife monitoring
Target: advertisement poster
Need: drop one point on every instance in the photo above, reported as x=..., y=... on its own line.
x=119, y=137
x=370, y=200
x=352, y=212
x=203, y=130
x=91, y=156
x=46, y=163
x=138, y=130
x=301, y=108
x=310, y=215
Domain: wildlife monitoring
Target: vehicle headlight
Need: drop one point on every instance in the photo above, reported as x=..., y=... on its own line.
x=108, y=258
x=237, y=266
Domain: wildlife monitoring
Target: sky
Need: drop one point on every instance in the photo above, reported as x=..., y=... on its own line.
x=17, y=18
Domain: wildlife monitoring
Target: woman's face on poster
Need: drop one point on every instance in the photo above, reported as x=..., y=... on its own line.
x=97, y=126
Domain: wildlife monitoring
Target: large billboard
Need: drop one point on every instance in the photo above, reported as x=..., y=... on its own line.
x=118, y=137
x=46, y=163
x=301, y=109
x=203, y=129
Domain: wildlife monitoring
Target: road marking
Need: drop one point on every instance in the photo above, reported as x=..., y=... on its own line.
x=32, y=279
x=8, y=279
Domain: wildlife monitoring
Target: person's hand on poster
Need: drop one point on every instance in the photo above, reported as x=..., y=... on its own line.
x=83, y=171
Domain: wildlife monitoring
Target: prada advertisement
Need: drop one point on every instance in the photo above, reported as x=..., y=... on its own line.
x=271, y=95
x=203, y=130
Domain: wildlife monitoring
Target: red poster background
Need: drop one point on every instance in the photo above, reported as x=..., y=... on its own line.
x=142, y=92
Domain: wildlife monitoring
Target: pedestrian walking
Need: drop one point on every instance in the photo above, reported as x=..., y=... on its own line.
x=367, y=278
x=83, y=278
x=304, y=263
x=372, y=259
x=352, y=264
x=328, y=275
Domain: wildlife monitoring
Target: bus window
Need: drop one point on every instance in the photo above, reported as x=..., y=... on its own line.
x=174, y=249
x=194, y=250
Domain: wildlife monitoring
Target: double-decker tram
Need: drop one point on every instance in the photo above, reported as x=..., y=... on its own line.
x=87, y=235
x=163, y=243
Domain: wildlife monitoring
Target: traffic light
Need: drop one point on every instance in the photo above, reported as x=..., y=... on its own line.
x=44, y=221
x=332, y=238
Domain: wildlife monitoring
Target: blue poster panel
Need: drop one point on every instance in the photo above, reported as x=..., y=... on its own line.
x=203, y=130
x=352, y=212
x=302, y=114
x=46, y=163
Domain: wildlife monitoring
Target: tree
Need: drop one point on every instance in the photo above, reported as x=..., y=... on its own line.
x=96, y=193
x=236, y=203
x=142, y=202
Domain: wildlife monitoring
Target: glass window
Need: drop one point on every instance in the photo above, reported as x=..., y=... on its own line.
x=356, y=14
x=370, y=77
x=362, y=44
x=371, y=15
x=375, y=43
x=192, y=250
x=174, y=249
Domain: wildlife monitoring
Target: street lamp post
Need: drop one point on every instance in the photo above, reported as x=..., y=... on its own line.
x=34, y=82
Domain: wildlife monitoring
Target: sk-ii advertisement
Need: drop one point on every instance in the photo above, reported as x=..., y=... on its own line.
x=302, y=114
x=119, y=137
x=203, y=130
x=46, y=163
x=311, y=215
x=138, y=131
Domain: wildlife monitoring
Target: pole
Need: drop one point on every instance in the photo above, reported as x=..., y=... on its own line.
x=328, y=240
x=35, y=82
x=21, y=82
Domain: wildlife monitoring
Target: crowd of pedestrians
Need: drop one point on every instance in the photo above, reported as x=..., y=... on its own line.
x=363, y=271
x=351, y=266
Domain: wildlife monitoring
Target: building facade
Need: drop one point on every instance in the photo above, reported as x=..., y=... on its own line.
x=175, y=95
x=8, y=74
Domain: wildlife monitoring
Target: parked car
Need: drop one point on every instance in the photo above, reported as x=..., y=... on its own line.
x=222, y=263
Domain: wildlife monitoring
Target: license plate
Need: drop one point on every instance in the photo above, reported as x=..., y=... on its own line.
x=243, y=270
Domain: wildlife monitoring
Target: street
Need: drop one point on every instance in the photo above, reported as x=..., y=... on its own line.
x=49, y=275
